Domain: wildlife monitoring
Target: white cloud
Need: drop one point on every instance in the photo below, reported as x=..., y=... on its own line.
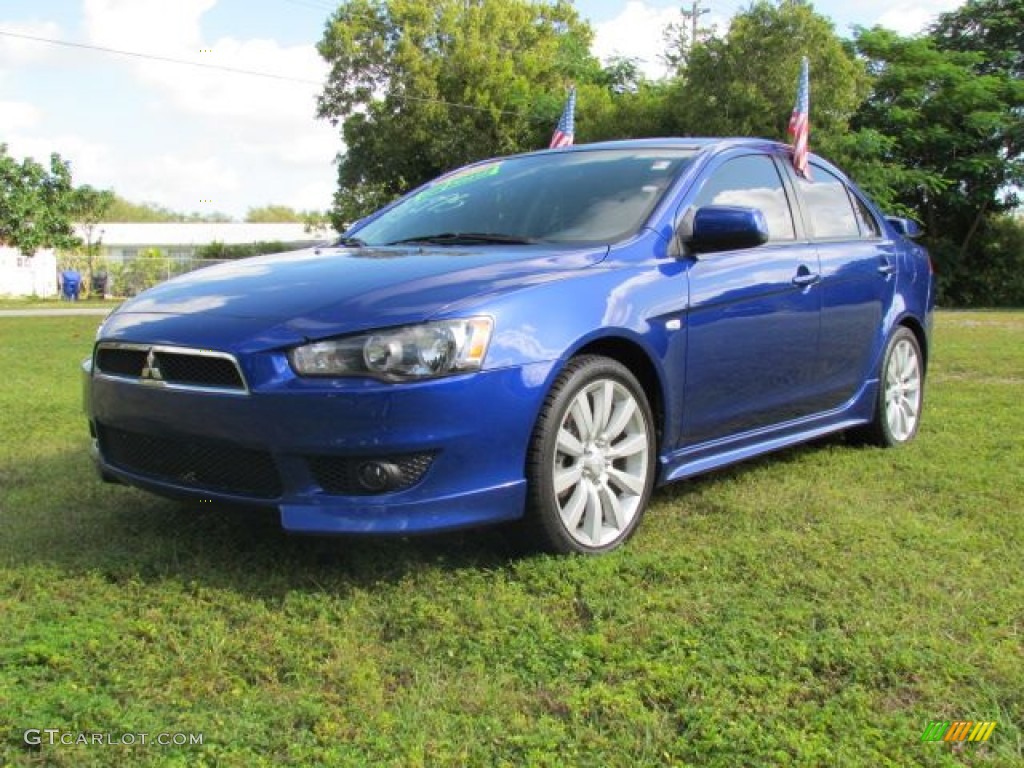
x=913, y=18
x=637, y=32
x=16, y=52
x=255, y=132
x=17, y=116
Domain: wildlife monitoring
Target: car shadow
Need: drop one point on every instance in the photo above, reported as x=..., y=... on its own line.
x=81, y=525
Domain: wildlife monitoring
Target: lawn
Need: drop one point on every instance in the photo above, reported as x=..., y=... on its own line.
x=34, y=302
x=818, y=607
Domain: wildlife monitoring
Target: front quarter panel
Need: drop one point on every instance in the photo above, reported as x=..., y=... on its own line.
x=639, y=301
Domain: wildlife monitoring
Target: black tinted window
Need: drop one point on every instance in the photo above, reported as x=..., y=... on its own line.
x=828, y=204
x=751, y=181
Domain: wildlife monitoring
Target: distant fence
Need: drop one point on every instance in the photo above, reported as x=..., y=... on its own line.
x=136, y=275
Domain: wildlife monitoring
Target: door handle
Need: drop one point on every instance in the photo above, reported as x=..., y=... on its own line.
x=805, y=277
x=887, y=268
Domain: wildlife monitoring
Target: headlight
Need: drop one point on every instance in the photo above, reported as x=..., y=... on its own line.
x=397, y=354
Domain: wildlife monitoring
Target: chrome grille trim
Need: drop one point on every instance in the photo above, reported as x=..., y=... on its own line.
x=150, y=350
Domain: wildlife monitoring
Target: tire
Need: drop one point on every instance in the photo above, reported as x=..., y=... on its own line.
x=900, y=394
x=592, y=459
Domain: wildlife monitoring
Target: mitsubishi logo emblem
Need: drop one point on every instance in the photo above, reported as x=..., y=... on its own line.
x=151, y=371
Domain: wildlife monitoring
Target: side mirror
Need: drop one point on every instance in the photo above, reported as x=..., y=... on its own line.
x=906, y=227
x=727, y=228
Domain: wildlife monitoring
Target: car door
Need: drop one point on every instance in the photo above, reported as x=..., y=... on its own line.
x=858, y=280
x=754, y=314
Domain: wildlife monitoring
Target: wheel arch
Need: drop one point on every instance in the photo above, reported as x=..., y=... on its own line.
x=914, y=326
x=638, y=361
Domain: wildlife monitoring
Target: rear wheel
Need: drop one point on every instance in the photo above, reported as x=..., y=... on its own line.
x=901, y=393
x=591, y=462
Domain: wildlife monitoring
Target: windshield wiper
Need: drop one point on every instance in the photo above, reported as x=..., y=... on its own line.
x=351, y=242
x=467, y=238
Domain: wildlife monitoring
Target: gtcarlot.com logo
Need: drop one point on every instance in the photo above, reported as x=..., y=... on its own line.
x=36, y=737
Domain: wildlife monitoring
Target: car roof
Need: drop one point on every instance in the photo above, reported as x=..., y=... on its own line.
x=691, y=142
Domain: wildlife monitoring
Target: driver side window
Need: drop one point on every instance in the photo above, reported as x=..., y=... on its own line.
x=752, y=181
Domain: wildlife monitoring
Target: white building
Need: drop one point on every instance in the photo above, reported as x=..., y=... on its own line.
x=123, y=241
x=22, y=275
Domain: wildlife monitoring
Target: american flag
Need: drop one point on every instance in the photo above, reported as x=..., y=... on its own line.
x=566, y=127
x=799, y=122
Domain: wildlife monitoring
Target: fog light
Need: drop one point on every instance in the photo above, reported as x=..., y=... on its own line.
x=379, y=476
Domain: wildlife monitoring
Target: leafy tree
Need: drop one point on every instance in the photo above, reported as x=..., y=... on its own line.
x=90, y=208
x=125, y=210
x=994, y=28
x=122, y=210
x=952, y=123
x=399, y=68
x=273, y=214
x=745, y=83
x=36, y=204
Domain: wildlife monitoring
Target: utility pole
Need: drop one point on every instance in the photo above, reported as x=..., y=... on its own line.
x=694, y=15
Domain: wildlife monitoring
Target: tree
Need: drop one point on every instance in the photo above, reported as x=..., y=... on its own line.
x=420, y=87
x=681, y=36
x=90, y=208
x=745, y=83
x=953, y=122
x=273, y=214
x=994, y=28
x=125, y=210
x=36, y=204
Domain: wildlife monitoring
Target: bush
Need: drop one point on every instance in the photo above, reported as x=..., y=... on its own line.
x=217, y=250
x=991, y=274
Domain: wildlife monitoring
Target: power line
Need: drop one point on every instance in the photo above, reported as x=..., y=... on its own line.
x=250, y=72
x=154, y=57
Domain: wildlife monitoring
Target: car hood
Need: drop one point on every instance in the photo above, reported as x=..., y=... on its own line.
x=327, y=291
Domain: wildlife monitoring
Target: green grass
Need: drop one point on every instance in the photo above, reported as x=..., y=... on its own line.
x=34, y=302
x=817, y=607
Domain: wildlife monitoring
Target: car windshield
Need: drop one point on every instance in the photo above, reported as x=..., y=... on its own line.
x=593, y=196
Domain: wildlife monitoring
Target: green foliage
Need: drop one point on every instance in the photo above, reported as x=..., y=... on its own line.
x=37, y=205
x=398, y=69
x=273, y=214
x=147, y=269
x=998, y=280
x=122, y=210
x=814, y=608
x=217, y=250
x=745, y=83
x=991, y=27
x=950, y=148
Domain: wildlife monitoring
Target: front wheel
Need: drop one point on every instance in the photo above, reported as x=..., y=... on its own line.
x=901, y=394
x=591, y=462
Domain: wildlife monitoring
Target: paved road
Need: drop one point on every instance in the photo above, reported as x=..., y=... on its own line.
x=99, y=311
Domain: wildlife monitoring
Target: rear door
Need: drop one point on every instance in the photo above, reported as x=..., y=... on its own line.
x=858, y=279
x=753, y=323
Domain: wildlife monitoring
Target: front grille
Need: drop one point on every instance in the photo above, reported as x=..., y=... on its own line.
x=170, y=366
x=192, y=462
x=198, y=370
x=120, y=362
x=339, y=475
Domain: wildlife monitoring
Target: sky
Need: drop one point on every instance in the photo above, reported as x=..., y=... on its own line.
x=207, y=140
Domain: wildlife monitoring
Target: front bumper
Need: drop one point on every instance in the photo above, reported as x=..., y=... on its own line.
x=474, y=428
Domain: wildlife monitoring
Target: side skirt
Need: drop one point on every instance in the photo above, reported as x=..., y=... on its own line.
x=704, y=457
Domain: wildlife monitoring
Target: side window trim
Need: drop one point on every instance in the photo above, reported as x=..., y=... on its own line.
x=796, y=207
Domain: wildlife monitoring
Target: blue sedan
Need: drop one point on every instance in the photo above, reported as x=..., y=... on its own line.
x=544, y=338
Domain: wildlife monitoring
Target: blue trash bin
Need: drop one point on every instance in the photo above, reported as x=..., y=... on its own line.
x=71, y=284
